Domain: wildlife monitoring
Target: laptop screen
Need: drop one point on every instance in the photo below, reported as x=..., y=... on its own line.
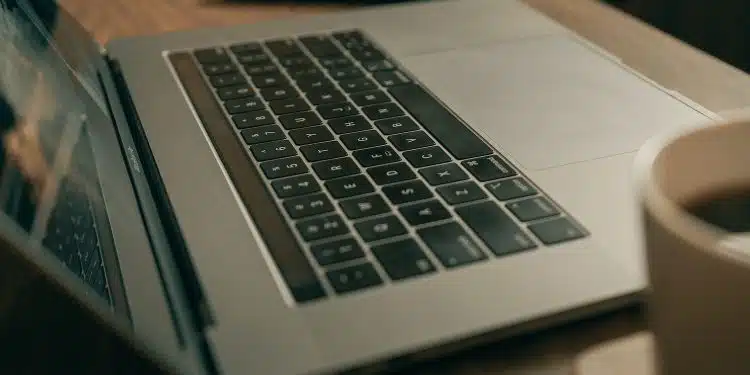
x=49, y=98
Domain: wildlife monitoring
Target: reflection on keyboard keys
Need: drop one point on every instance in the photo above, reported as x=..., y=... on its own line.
x=451, y=245
x=322, y=227
x=403, y=259
x=353, y=278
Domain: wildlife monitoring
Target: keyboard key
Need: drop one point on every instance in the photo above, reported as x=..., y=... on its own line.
x=262, y=134
x=357, y=85
x=335, y=168
x=319, y=45
x=220, y=68
x=378, y=65
x=349, y=124
x=296, y=62
x=352, y=39
x=381, y=111
x=488, y=168
x=349, y=186
x=309, y=205
x=268, y=80
x=252, y=119
x=371, y=157
x=370, y=97
x=403, y=259
x=294, y=186
x=261, y=69
x=380, y=228
x=272, y=150
x=407, y=192
x=259, y=58
x=367, y=54
x=299, y=120
x=277, y=93
x=284, y=47
x=305, y=72
x=235, y=92
x=391, y=78
x=353, y=278
x=322, y=151
x=335, y=62
x=426, y=156
x=532, y=208
x=365, y=139
x=425, y=212
x=462, y=192
x=391, y=173
x=245, y=48
x=368, y=205
x=211, y=55
x=556, y=230
x=460, y=141
x=322, y=227
x=312, y=134
x=510, y=189
x=329, y=111
x=410, y=141
x=451, y=245
x=242, y=105
x=283, y=167
x=281, y=107
x=327, y=95
x=443, y=174
x=496, y=229
x=396, y=125
x=337, y=251
x=230, y=79
x=312, y=83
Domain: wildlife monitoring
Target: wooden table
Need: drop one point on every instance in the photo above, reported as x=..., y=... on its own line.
x=707, y=81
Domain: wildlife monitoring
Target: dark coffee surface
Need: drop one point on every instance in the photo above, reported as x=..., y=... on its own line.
x=727, y=209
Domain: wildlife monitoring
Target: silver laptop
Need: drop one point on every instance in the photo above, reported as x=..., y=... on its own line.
x=333, y=192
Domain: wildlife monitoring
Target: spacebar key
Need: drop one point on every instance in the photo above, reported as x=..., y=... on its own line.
x=444, y=125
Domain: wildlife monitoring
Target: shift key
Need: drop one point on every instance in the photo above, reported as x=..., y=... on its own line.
x=496, y=229
x=451, y=245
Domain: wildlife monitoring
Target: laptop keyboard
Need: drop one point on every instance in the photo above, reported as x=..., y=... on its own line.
x=373, y=180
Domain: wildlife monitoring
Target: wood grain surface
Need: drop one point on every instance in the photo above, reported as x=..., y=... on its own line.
x=713, y=84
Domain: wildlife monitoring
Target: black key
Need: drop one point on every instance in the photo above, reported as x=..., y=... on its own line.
x=313, y=83
x=388, y=174
x=294, y=186
x=284, y=47
x=496, y=229
x=319, y=45
x=283, y=167
x=212, y=55
x=322, y=227
x=353, y=278
x=381, y=111
x=345, y=73
x=281, y=107
x=462, y=192
x=335, y=62
x=261, y=69
x=242, y=105
x=380, y=228
x=391, y=78
x=245, y=48
x=262, y=134
x=310, y=205
x=406, y=192
x=299, y=120
x=370, y=97
x=251, y=119
x=220, y=68
x=268, y=80
x=403, y=259
x=305, y=72
x=312, y=134
x=272, y=150
x=410, y=141
x=451, y=245
x=396, y=125
x=349, y=124
x=357, y=85
x=259, y=58
x=367, y=54
x=327, y=95
x=533, y=208
x=349, y=186
x=329, y=111
x=365, y=139
x=335, y=168
x=424, y=212
x=440, y=122
x=489, y=168
x=322, y=151
x=337, y=251
x=368, y=205
x=371, y=157
x=557, y=230
x=426, y=156
x=510, y=189
x=296, y=62
x=235, y=92
x=230, y=79
x=279, y=92
x=349, y=34
x=378, y=65
x=443, y=174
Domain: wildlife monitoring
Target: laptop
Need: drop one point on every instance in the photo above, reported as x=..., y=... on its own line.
x=328, y=193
